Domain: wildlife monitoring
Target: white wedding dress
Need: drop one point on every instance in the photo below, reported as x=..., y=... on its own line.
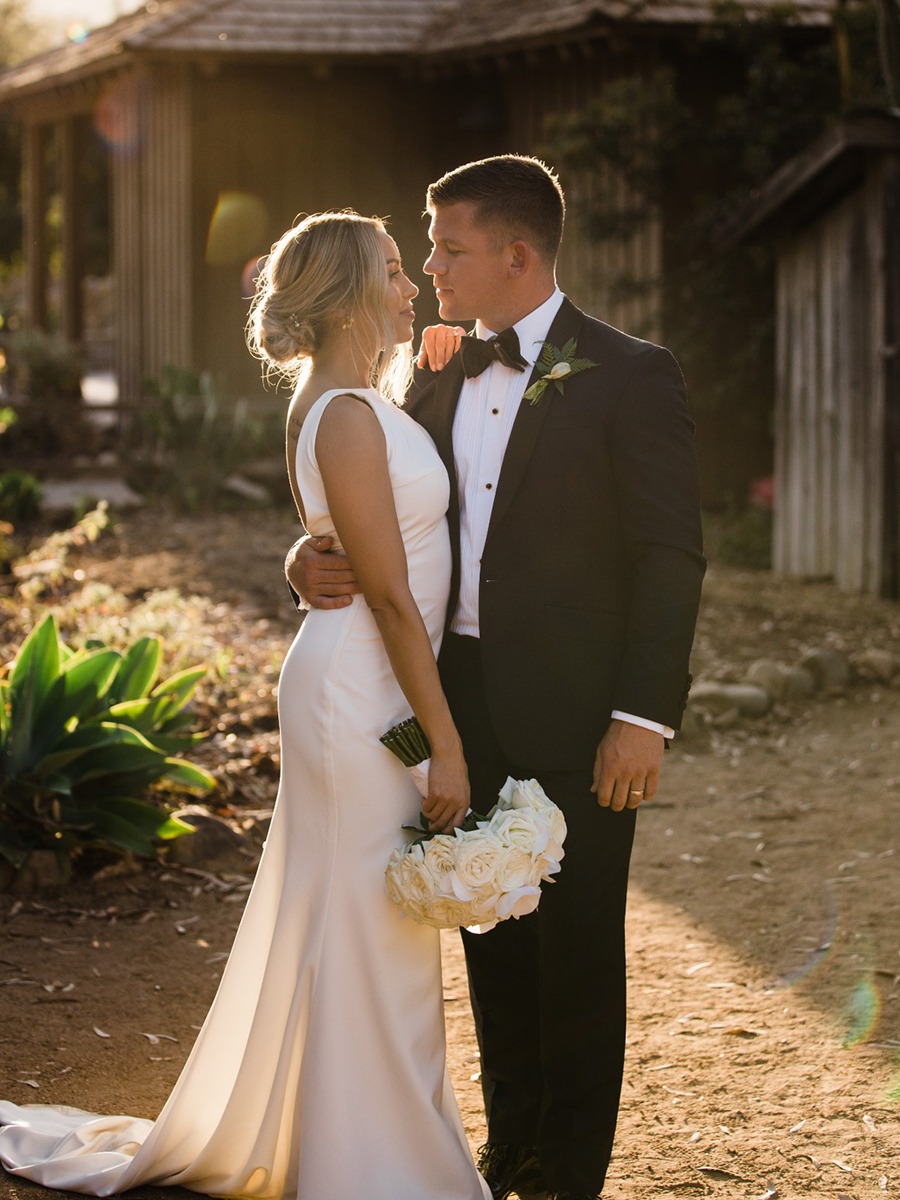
x=320, y=1070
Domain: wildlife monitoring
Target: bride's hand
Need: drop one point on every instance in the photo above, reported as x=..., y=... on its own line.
x=439, y=344
x=447, y=801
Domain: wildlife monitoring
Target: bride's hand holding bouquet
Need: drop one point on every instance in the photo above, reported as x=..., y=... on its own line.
x=483, y=869
x=447, y=799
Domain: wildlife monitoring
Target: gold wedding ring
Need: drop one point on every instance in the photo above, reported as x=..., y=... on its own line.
x=635, y=791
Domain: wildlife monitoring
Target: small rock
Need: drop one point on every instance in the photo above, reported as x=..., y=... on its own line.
x=213, y=846
x=63, y=496
x=830, y=669
x=247, y=489
x=797, y=683
x=725, y=720
x=691, y=725
x=44, y=871
x=719, y=698
x=880, y=665
x=768, y=674
x=782, y=682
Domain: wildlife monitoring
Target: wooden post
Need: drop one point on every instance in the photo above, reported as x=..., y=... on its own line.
x=891, y=369
x=36, y=242
x=71, y=299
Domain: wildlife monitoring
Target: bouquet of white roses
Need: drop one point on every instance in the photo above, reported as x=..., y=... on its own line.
x=488, y=870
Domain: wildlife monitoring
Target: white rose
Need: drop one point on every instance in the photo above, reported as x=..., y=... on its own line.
x=416, y=881
x=528, y=793
x=482, y=926
x=392, y=877
x=548, y=866
x=446, y=914
x=517, y=828
x=476, y=858
x=440, y=855
x=557, y=822
x=513, y=869
x=507, y=792
x=518, y=903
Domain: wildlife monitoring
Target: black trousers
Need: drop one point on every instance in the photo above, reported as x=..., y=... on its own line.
x=548, y=990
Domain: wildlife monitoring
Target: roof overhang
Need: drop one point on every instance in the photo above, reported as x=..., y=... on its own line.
x=811, y=180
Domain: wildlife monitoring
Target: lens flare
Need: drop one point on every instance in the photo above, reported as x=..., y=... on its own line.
x=118, y=115
x=77, y=32
x=815, y=957
x=249, y=276
x=236, y=229
x=863, y=1012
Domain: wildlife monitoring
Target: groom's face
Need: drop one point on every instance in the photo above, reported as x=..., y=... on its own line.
x=469, y=264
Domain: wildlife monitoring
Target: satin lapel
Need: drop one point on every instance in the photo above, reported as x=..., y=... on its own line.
x=447, y=387
x=530, y=417
x=444, y=400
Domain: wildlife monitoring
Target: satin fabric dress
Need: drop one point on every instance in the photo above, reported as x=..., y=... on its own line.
x=319, y=1072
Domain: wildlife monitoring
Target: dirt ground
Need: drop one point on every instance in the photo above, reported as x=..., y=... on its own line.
x=764, y=939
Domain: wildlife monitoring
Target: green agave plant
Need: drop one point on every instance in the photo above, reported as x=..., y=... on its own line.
x=83, y=735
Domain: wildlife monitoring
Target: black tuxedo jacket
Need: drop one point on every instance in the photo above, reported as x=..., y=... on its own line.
x=591, y=573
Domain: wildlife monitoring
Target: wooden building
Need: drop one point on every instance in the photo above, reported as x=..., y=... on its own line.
x=221, y=120
x=835, y=210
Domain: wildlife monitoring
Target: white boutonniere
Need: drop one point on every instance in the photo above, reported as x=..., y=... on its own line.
x=556, y=366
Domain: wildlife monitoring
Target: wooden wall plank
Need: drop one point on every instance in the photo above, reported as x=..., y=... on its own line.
x=35, y=231
x=830, y=407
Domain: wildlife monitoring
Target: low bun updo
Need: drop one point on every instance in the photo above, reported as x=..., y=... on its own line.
x=327, y=270
x=282, y=338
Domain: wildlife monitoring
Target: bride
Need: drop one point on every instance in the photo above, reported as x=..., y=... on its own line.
x=320, y=1072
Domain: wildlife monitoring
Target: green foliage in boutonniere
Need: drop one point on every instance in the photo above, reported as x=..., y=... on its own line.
x=555, y=367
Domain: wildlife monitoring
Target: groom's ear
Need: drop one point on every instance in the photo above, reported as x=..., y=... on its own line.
x=521, y=257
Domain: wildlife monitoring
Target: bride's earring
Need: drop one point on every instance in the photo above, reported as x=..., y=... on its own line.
x=346, y=323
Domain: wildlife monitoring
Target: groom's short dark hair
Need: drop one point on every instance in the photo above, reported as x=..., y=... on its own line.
x=514, y=192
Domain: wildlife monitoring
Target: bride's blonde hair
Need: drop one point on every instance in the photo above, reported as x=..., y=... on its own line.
x=325, y=272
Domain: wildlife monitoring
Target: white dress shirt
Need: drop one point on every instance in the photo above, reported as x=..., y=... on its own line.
x=481, y=428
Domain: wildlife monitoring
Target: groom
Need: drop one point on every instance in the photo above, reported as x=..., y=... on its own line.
x=577, y=557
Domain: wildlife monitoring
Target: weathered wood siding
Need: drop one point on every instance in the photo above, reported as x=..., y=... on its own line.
x=294, y=143
x=152, y=251
x=618, y=279
x=830, y=406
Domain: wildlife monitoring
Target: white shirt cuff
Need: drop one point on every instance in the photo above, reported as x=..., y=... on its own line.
x=665, y=730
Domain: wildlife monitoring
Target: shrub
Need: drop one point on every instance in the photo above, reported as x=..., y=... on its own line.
x=83, y=735
x=20, y=496
x=44, y=571
x=44, y=366
x=190, y=438
x=739, y=537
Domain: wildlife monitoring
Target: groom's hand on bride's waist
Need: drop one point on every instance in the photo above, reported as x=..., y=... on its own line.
x=318, y=576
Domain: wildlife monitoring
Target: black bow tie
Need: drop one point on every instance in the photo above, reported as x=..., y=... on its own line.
x=478, y=354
